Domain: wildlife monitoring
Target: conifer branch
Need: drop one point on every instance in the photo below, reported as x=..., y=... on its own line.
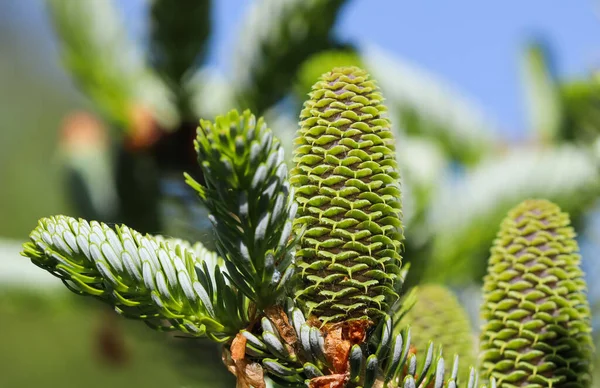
x=542, y=93
x=162, y=282
x=581, y=110
x=387, y=359
x=250, y=201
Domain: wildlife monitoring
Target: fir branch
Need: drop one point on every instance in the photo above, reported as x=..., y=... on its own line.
x=387, y=359
x=250, y=201
x=277, y=37
x=106, y=63
x=459, y=220
x=560, y=110
x=143, y=277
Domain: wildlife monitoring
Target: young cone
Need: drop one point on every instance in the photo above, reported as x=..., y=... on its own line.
x=537, y=319
x=438, y=316
x=348, y=191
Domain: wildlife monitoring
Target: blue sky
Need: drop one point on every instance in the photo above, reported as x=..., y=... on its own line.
x=474, y=45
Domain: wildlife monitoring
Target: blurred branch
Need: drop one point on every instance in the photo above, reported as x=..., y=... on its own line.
x=88, y=167
x=460, y=217
x=422, y=164
x=541, y=90
x=18, y=273
x=276, y=38
x=559, y=109
x=425, y=106
x=106, y=63
x=581, y=105
x=219, y=100
x=180, y=30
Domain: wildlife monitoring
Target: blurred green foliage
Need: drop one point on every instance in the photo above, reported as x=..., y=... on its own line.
x=32, y=108
x=51, y=340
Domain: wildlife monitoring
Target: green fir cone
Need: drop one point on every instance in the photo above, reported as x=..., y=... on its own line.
x=439, y=317
x=536, y=330
x=348, y=191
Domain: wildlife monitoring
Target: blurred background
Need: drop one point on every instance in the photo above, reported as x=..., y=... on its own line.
x=99, y=101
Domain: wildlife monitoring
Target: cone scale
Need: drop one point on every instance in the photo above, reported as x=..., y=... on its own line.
x=348, y=190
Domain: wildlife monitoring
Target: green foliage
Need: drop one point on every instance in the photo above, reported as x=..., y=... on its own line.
x=438, y=316
x=541, y=90
x=179, y=30
x=348, y=192
x=276, y=38
x=460, y=217
x=423, y=165
x=537, y=319
x=560, y=110
x=68, y=353
x=250, y=202
x=581, y=103
x=144, y=277
x=385, y=359
x=107, y=65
